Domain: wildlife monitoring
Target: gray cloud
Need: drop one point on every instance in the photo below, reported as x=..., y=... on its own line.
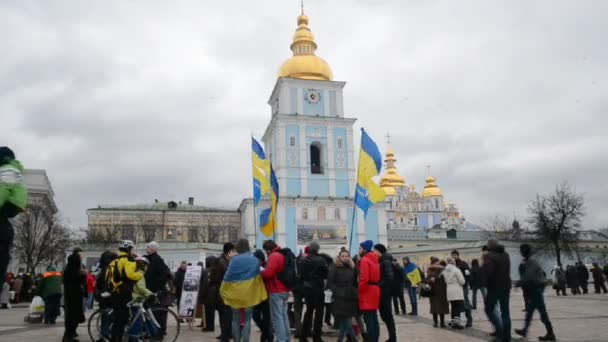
x=127, y=102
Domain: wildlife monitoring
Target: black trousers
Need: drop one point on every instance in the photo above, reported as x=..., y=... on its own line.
x=121, y=317
x=599, y=285
x=209, y=316
x=6, y=242
x=386, y=314
x=225, y=322
x=584, y=286
x=400, y=299
x=261, y=317
x=314, y=305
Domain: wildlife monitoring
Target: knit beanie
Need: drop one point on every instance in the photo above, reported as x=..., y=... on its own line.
x=380, y=248
x=367, y=245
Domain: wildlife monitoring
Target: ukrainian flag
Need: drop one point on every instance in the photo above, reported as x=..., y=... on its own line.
x=243, y=286
x=370, y=164
x=269, y=216
x=261, y=171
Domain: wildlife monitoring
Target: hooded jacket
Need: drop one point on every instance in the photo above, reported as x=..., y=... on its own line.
x=369, y=281
x=454, y=281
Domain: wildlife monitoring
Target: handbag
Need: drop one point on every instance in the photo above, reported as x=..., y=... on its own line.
x=426, y=291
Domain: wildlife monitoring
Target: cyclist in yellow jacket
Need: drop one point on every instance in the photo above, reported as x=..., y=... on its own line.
x=124, y=274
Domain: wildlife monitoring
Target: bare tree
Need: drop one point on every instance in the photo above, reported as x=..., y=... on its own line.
x=495, y=223
x=556, y=218
x=146, y=225
x=102, y=234
x=40, y=237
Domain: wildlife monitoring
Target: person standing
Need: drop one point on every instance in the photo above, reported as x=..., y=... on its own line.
x=532, y=281
x=369, y=289
x=477, y=280
x=342, y=281
x=439, y=297
x=559, y=281
x=75, y=284
x=497, y=267
x=215, y=279
x=583, y=276
x=179, y=277
x=210, y=294
x=158, y=278
x=91, y=284
x=466, y=272
x=313, y=272
x=13, y=200
x=398, y=289
x=261, y=312
x=50, y=291
x=17, y=286
x=412, y=277
x=4, y=295
x=243, y=289
x=455, y=282
x=386, y=284
x=102, y=292
x=278, y=291
x=598, y=278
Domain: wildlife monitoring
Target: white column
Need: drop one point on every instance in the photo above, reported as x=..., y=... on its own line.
x=331, y=159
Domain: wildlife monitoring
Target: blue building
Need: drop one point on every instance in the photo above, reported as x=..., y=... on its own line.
x=310, y=143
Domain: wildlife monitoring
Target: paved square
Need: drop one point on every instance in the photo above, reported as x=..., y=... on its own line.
x=575, y=318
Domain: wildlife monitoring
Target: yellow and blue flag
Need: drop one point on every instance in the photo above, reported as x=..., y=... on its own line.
x=261, y=172
x=243, y=286
x=268, y=217
x=370, y=164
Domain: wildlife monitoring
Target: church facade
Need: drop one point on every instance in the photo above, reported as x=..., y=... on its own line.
x=310, y=142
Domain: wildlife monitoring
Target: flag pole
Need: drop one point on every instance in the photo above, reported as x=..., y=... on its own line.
x=255, y=224
x=352, y=224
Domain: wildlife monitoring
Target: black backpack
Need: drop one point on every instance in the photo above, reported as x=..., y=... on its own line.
x=289, y=275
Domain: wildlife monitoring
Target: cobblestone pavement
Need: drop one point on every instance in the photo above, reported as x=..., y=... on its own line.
x=576, y=318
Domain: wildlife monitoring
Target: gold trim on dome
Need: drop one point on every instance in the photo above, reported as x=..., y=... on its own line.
x=431, y=188
x=391, y=179
x=305, y=64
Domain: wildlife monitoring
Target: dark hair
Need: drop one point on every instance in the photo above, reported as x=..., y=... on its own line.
x=380, y=248
x=475, y=263
x=484, y=248
x=228, y=246
x=434, y=260
x=455, y=252
x=269, y=245
x=6, y=154
x=314, y=247
x=242, y=246
x=525, y=250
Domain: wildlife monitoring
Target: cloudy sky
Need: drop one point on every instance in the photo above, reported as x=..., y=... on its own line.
x=126, y=101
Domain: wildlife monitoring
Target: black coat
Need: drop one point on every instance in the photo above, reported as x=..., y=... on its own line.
x=180, y=274
x=477, y=279
x=497, y=268
x=466, y=271
x=158, y=274
x=386, y=273
x=583, y=274
x=342, y=281
x=313, y=272
x=74, y=289
x=572, y=277
x=399, y=281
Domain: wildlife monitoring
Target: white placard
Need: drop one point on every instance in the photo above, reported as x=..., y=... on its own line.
x=187, y=304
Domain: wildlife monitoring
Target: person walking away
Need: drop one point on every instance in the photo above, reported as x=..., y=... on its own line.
x=158, y=277
x=342, y=281
x=102, y=293
x=454, y=281
x=478, y=283
x=243, y=289
x=412, y=277
x=216, y=278
x=261, y=312
x=369, y=289
x=439, y=297
x=74, y=284
x=386, y=284
x=398, y=289
x=559, y=281
x=210, y=294
x=50, y=291
x=497, y=268
x=583, y=276
x=466, y=272
x=91, y=283
x=13, y=200
x=598, y=278
x=179, y=277
x=279, y=268
x=122, y=275
x=17, y=286
x=313, y=272
x=533, y=282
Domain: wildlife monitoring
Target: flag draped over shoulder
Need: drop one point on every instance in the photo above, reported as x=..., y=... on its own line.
x=269, y=216
x=370, y=164
x=413, y=273
x=261, y=172
x=243, y=286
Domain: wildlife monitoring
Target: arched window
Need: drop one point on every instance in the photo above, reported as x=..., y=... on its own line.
x=315, y=159
x=292, y=141
x=340, y=143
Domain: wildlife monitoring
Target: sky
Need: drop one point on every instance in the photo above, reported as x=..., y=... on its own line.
x=124, y=102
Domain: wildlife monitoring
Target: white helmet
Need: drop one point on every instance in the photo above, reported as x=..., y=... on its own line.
x=142, y=259
x=126, y=244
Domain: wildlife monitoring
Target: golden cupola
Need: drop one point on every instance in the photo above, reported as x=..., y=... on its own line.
x=392, y=179
x=431, y=188
x=305, y=64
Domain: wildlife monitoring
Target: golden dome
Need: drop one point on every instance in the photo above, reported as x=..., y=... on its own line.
x=392, y=179
x=305, y=64
x=431, y=188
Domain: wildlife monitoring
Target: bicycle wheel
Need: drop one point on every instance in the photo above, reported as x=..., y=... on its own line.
x=168, y=322
x=94, y=325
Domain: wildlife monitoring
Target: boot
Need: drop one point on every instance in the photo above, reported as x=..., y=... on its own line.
x=549, y=337
x=520, y=332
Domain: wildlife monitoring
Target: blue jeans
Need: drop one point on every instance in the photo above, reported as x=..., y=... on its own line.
x=501, y=324
x=241, y=334
x=280, y=319
x=371, y=324
x=474, y=291
x=412, y=292
x=467, y=305
x=536, y=301
x=345, y=326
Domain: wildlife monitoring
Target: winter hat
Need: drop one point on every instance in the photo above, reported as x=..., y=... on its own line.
x=307, y=250
x=380, y=248
x=154, y=246
x=6, y=154
x=367, y=245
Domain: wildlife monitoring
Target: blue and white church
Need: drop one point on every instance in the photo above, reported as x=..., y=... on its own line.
x=310, y=143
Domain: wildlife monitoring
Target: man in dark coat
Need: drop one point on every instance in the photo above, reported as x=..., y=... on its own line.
x=208, y=295
x=180, y=275
x=158, y=274
x=398, y=288
x=74, y=284
x=386, y=284
x=312, y=284
x=583, y=276
x=497, y=267
x=572, y=279
x=215, y=279
x=598, y=278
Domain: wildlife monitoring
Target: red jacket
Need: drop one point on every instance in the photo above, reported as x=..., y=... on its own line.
x=91, y=283
x=369, y=278
x=274, y=266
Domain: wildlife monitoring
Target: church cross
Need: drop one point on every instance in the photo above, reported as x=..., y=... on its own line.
x=388, y=138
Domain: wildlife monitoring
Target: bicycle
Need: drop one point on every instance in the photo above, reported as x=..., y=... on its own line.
x=144, y=326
